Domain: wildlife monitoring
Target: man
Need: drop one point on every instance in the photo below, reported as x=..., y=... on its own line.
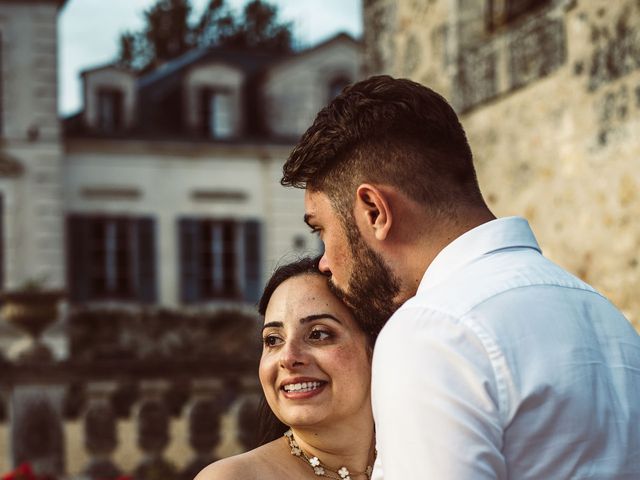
x=496, y=363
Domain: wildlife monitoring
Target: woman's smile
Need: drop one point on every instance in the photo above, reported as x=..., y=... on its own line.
x=313, y=349
x=303, y=390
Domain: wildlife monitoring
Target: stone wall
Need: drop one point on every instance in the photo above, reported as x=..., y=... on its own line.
x=549, y=93
x=29, y=136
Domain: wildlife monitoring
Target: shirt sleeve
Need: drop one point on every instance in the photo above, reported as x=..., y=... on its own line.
x=435, y=400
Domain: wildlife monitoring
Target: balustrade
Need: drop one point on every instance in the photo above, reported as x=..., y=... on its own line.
x=108, y=384
x=41, y=396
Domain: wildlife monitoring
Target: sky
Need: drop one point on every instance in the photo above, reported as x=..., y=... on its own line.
x=89, y=31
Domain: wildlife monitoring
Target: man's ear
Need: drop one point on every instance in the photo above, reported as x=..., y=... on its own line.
x=372, y=211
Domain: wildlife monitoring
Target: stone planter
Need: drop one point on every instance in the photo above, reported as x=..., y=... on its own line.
x=32, y=312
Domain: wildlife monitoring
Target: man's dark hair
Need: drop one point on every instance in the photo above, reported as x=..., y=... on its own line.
x=387, y=131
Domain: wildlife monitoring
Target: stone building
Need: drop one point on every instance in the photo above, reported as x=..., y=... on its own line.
x=158, y=209
x=549, y=94
x=171, y=180
x=164, y=189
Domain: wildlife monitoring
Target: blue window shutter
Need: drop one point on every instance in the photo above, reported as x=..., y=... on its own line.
x=146, y=270
x=78, y=258
x=189, y=258
x=253, y=261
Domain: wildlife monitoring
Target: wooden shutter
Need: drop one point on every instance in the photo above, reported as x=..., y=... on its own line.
x=2, y=243
x=189, y=258
x=146, y=253
x=253, y=261
x=78, y=258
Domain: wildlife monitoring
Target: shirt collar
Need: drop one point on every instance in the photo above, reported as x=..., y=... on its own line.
x=508, y=232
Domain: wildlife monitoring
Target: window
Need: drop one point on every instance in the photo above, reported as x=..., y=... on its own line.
x=216, y=113
x=502, y=12
x=336, y=85
x=111, y=258
x=1, y=88
x=1, y=242
x=110, y=109
x=219, y=259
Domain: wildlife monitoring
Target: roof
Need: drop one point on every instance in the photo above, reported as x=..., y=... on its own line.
x=106, y=66
x=160, y=104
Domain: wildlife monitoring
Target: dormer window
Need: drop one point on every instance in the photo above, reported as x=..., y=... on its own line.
x=217, y=116
x=110, y=110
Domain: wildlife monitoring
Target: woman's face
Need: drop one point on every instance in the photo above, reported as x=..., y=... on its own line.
x=315, y=366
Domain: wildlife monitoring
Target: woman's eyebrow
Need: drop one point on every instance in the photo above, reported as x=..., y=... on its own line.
x=311, y=318
x=272, y=324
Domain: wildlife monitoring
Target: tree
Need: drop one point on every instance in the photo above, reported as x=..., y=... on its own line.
x=169, y=33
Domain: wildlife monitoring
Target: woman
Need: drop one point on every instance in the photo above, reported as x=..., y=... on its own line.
x=315, y=372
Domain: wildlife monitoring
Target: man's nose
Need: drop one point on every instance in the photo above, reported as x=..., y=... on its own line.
x=323, y=265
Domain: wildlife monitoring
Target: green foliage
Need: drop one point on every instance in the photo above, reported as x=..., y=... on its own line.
x=169, y=32
x=34, y=285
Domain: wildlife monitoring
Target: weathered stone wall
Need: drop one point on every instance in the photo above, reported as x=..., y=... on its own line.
x=29, y=135
x=550, y=99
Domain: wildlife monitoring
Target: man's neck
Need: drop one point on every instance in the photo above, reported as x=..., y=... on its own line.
x=419, y=254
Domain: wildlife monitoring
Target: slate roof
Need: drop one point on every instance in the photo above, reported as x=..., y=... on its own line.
x=159, y=93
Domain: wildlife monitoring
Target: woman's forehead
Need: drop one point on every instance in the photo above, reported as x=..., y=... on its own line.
x=301, y=296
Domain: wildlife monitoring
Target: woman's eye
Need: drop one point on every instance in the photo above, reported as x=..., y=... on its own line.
x=271, y=341
x=319, y=335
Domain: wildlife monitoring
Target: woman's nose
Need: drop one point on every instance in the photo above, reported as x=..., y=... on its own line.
x=292, y=356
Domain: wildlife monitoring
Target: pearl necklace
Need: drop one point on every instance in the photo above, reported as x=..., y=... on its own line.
x=318, y=468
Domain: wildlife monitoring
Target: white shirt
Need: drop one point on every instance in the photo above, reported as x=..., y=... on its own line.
x=506, y=366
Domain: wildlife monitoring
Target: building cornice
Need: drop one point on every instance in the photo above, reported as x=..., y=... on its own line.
x=176, y=148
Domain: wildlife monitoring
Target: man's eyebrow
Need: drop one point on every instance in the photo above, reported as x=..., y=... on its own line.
x=272, y=324
x=319, y=316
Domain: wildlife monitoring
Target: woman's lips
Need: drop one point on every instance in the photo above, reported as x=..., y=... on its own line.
x=303, y=390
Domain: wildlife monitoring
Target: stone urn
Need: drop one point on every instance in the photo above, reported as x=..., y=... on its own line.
x=32, y=312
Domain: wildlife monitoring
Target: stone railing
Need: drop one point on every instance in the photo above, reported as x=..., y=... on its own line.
x=42, y=400
x=151, y=394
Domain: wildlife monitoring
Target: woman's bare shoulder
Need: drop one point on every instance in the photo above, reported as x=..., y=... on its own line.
x=252, y=465
x=236, y=467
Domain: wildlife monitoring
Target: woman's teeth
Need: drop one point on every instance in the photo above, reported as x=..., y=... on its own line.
x=302, y=387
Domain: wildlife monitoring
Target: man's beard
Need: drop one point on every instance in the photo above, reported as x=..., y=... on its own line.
x=371, y=288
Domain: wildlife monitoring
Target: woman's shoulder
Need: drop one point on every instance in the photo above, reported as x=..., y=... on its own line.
x=255, y=464
x=237, y=467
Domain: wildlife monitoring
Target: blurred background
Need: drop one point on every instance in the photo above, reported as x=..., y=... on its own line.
x=141, y=146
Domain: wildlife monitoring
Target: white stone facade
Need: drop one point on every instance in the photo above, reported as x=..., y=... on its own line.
x=164, y=179
x=30, y=130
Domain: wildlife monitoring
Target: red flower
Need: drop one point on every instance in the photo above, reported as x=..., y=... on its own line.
x=23, y=472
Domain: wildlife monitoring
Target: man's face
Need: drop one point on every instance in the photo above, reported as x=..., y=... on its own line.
x=359, y=275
